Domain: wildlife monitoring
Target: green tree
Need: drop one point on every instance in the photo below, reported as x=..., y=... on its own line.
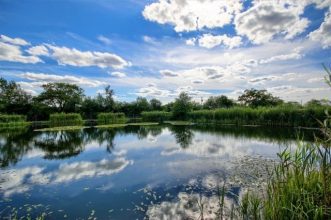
x=61, y=96
x=155, y=104
x=218, y=102
x=13, y=99
x=255, y=98
x=182, y=106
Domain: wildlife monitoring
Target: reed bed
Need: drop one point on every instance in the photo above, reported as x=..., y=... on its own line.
x=65, y=119
x=277, y=116
x=111, y=118
x=156, y=116
x=10, y=121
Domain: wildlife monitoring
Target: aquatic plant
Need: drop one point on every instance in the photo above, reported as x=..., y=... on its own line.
x=65, y=119
x=111, y=118
x=8, y=121
x=156, y=116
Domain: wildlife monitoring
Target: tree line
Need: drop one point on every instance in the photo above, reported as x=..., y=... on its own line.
x=70, y=98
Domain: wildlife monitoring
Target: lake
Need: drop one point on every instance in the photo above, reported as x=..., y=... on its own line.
x=134, y=172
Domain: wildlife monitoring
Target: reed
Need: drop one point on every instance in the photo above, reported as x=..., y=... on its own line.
x=65, y=119
x=111, y=118
x=10, y=121
x=277, y=116
x=156, y=116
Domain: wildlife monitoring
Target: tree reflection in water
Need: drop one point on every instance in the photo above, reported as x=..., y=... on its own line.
x=183, y=135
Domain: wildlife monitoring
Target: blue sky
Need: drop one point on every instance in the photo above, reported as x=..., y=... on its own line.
x=159, y=48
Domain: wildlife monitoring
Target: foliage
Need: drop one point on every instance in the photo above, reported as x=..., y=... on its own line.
x=111, y=118
x=255, y=98
x=61, y=96
x=214, y=102
x=13, y=99
x=155, y=105
x=10, y=121
x=65, y=119
x=156, y=116
x=182, y=106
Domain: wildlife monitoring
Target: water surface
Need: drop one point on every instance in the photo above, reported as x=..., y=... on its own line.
x=135, y=172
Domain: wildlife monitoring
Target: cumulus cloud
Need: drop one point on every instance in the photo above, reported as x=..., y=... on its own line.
x=323, y=33
x=210, y=41
x=191, y=41
x=265, y=20
x=117, y=74
x=13, y=53
x=40, y=50
x=194, y=14
x=14, y=41
x=262, y=79
x=153, y=91
x=43, y=78
x=74, y=57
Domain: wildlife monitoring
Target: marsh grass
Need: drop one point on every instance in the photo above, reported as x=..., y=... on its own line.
x=65, y=119
x=111, y=118
x=156, y=116
x=276, y=116
x=11, y=121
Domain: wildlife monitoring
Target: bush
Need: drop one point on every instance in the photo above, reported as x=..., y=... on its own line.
x=65, y=119
x=111, y=118
x=156, y=116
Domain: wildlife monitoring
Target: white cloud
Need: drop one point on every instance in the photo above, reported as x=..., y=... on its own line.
x=282, y=57
x=194, y=14
x=40, y=50
x=168, y=73
x=117, y=74
x=13, y=53
x=191, y=41
x=104, y=40
x=262, y=79
x=153, y=91
x=15, y=41
x=210, y=41
x=266, y=20
x=43, y=78
x=74, y=57
x=323, y=33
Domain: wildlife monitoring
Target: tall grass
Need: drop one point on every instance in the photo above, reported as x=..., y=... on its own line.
x=277, y=116
x=299, y=186
x=8, y=121
x=156, y=116
x=111, y=118
x=65, y=119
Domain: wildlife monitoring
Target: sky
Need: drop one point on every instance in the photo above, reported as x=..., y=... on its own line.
x=159, y=48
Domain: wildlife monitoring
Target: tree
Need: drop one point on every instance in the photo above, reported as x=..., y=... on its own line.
x=13, y=99
x=317, y=103
x=182, y=106
x=61, y=96
x=218, y=102
x=255, y=98
x=141, y=105
x=155, y=104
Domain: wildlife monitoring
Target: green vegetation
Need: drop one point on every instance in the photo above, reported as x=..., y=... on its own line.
x=111, y=118
x=156, y=116
x=63, y=128
x=65, y=119
x=9, y=121
x=276, y=116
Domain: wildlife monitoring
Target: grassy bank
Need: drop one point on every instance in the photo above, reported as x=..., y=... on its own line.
x=156, y=116
x=65, y=119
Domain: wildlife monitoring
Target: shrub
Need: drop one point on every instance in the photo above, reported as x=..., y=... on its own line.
x=111, y=118
x=65, y=119
x=7, y=121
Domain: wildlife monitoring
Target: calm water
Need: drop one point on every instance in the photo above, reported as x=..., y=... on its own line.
x=157, y=172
